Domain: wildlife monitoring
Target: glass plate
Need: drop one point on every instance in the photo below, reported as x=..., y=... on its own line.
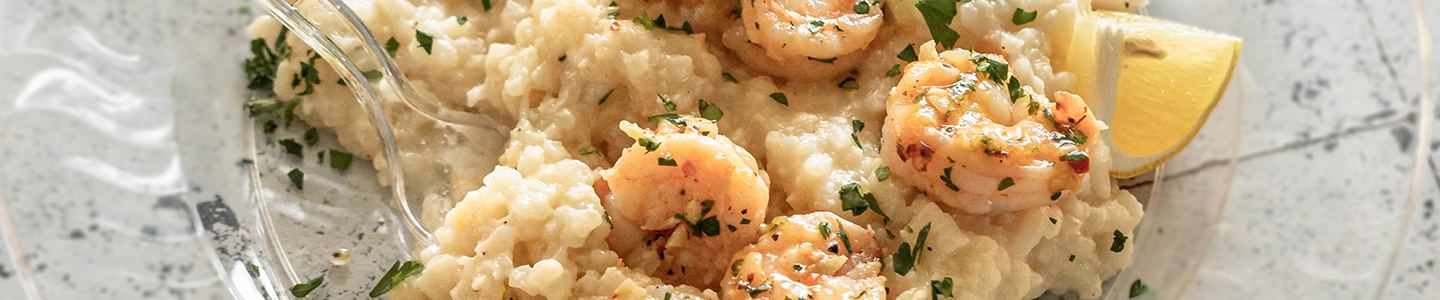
x=122, y=140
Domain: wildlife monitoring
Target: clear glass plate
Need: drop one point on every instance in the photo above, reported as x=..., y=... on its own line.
x=122, y=135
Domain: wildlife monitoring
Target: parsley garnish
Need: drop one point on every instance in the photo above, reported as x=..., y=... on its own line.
x=705, y=226
x=851, y=199
x=667, y=295
x=606, y=97
x=297, y=178
x=649, y=144
x=1118, y=244
x=424, y=39
x=823, y=60
x=312, y=136
x=906, y=257
x=1072, y=258
x=462, y=20
x=303, y=289
x=908, y=54
x=949, y=181
x=849, y=83
x=292, y=147
x=259, y=106
x=1075, y=156
x=996, y=70
x=938, y=14
x=1053, y=220
x=728, y=77
x=674, y=118
x=373, y=75
x=1022, y=17
x=825, y=230
x=669, y=106
x=882, y=173
x=261, y=68
x=942, y=287
x=862, y=7
x=797, y=267
x=391, y=45
x=780, y=98
x=844, y=238
x=614, y=10
x=340, y=160
x=710, y=111
x=1055, y=196
x=1016, y=92
x=588, y=150
x=666, y=161
x=397, y=273
x=1005, y=184
x=855, y=127
x=756, y=290
x=894, y=70
x=486, y=4
x=1138, y=288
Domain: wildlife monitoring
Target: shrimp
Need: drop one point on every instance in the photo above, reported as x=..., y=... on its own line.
x=682, y=200
x=803, y=39
x=821, y=29
x=959, y=127
x=812, y=256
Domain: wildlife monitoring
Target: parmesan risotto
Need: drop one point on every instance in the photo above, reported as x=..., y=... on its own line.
x=817, y=149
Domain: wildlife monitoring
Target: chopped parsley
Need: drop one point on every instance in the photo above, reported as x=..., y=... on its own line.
x=1016, y=92
x=844, y=237
x=1118, y=244
x=996, y=70
x=1055, y=196
x=666, y=161
x=606, y=97
x=855, y=127
x=938, y=14
x=905, y=258
x=710, y=111
x=824, y=230
x=673, y=118
x=851, y=199
x=1075, y=156
x=425, y=39
x=942, y=288
x=862, y=7
x=669, y=106
x=308, y=75
x=340, y=160
x=297, y=178
x=823, y=60
x=1072, y=257
x=1005, y=184
x=849, y=83
x=292, y=147
x=949, y=181
x=894, y=70
x=1023, y=17
x=797, y=267
x=312, y=136
x=614, y=10
x=756, y=290
x=373, y=75
x=649, y=144
x=462, y=20
x=303, y=289
x=1053, y=221
x=908, y=54
x=667, y=295
x=391, y=45
x=259, y=106
x=780, y=98
x=261, y=68
x=588, y=150
x=397, y=273
x=704, y=226
x=1138, y=288
x=882, y=173
x=728, y=77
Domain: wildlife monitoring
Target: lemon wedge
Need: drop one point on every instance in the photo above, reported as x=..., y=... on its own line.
x=1153, y=81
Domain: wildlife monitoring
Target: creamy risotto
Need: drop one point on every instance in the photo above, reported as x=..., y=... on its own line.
x=818, y=149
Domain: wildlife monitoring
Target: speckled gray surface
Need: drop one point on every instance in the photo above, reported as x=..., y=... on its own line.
x=119, y=132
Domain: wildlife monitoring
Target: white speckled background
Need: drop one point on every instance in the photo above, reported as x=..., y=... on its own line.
x=120, y=129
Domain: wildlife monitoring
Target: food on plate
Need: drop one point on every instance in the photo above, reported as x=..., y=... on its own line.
x=686, y=149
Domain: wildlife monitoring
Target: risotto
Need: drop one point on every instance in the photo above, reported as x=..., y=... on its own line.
x=732, y=149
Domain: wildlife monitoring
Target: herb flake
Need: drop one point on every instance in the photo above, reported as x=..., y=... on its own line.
x=340, y=160
x=1118, y=244
x=303, y=289
x=297, y=178
x=938, y=14
x=1005, y=184
x=397, y=273
x=710, y=111
x=425, y=40
x=780, y=98
x=1022, y=17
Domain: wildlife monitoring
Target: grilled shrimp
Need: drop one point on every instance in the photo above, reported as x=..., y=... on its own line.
x=779, y=37
x=959, y=127
x=811, y=256
x=682, y=200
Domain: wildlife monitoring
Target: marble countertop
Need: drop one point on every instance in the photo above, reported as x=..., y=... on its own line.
x=96, y=202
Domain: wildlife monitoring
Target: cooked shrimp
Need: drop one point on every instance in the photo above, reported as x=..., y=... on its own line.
x=811, y=256
x=821, y=29
x=962, y=129
x=682, y=200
